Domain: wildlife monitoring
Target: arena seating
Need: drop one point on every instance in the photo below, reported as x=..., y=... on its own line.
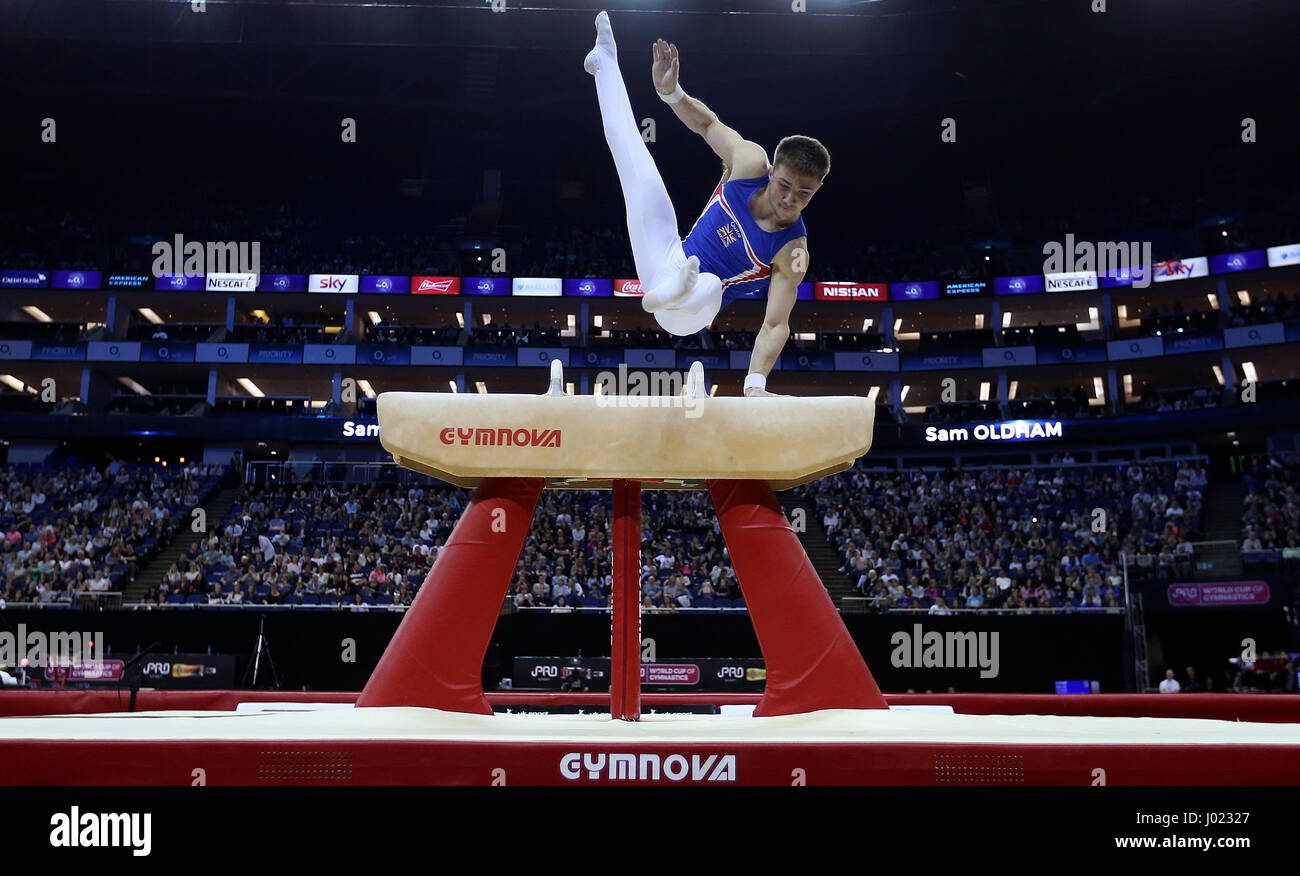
x=1009, y=538
x=73, y=531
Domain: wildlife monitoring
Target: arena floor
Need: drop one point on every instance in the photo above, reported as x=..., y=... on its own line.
x=857, y=747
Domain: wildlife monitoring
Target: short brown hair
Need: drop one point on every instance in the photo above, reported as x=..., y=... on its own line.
x=803, y=155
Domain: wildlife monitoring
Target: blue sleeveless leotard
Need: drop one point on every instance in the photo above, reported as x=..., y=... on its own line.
x=729, y=242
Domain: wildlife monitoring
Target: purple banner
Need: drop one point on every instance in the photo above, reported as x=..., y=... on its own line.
x=914, y=291
x=180, y=282
x=373, y=285
x=1251, y=260
x=77, y=280
x=670, y=673
x=128, y=281
x=485, y=286
x=589, y=287
x=804, y=292
x=1017, y=285
x=282, y=283
x=1139, y=274
x=1232, y=593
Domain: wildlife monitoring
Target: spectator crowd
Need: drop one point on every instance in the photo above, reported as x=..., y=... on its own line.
x=1007, y=538
x=73, y=531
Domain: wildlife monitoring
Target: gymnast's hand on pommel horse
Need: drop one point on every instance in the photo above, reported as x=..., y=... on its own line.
x=750, y=236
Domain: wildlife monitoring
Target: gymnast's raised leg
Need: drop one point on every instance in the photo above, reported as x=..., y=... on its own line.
x=667, y=276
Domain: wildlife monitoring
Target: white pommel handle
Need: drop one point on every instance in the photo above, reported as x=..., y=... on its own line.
x=695, y=381
x=557, y=378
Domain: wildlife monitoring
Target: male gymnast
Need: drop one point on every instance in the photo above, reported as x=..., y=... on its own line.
x=751, y=233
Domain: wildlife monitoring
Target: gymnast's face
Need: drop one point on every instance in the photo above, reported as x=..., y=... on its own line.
x=789, y=192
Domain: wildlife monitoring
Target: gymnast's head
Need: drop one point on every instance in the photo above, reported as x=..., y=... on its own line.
x=798, y=169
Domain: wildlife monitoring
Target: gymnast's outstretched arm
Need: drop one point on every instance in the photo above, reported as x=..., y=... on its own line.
x=744, y=157
x=782, y=290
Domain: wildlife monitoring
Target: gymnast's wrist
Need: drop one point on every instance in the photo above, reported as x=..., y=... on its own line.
x=673, y=96
x=755, y=381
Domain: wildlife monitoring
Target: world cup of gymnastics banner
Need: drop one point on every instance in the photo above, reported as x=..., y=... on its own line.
x=1237, y=594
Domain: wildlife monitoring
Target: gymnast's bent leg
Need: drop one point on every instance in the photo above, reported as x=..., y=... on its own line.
x=697, y=312
x=667, y=275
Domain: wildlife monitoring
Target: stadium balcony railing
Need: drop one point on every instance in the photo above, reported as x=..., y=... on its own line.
x=172, y=332
x=272, y=404
x=865, y=604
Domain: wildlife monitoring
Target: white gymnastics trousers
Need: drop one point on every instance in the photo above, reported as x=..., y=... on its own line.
x=651, y=220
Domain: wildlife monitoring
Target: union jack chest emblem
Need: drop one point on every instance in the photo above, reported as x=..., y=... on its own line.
x=729, y=234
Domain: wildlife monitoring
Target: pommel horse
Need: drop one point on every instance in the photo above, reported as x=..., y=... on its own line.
x=510, y=447
x=821, y=719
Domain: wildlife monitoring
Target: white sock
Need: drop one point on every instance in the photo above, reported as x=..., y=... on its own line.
x=674, y=290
